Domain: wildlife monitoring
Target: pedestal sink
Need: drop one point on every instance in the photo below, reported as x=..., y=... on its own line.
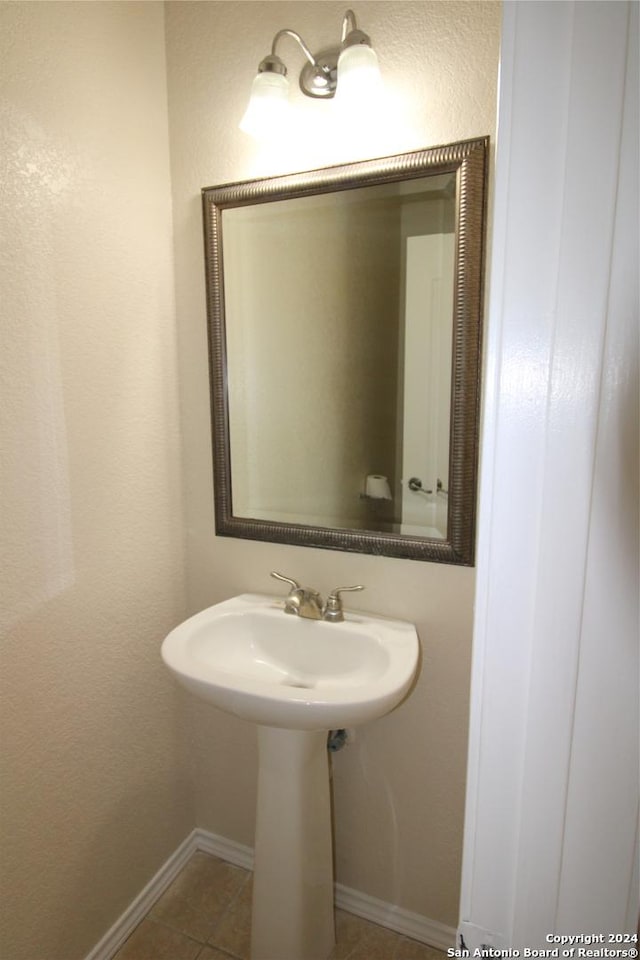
x=296, y=679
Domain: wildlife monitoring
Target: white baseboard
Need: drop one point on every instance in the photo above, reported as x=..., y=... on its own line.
x=136, y=911
x=398, y=919
x=228, y=850
x=361, y=904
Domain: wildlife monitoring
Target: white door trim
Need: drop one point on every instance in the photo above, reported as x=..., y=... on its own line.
x=559, y=155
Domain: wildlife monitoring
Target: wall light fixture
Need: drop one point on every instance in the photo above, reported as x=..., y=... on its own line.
x=349, y=71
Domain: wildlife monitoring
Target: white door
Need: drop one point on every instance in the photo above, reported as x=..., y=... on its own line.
x=427, y=347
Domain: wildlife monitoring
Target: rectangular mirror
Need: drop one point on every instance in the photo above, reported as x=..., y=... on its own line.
x=344, y=310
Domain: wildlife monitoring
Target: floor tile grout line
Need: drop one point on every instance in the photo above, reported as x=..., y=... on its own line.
x=168, y=926
x=214, y=925
x=224, y=953
x=173, y=926
x=224, y=914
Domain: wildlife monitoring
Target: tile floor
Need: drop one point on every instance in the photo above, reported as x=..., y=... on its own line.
x=205, y=915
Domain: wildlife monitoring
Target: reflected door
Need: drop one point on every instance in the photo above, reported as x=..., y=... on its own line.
x=427, y=383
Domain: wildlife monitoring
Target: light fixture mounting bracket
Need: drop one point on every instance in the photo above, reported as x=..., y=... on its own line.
x=319, y=79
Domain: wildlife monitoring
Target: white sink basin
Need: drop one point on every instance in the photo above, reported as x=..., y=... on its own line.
x=248, y=657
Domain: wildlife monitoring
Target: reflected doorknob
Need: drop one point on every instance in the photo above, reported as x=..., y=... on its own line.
x=415, y=484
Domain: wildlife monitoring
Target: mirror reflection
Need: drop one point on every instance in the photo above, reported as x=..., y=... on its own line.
x=339, y=330
x=344, y=319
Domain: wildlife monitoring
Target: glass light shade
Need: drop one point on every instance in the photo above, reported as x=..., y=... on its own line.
x=268, y=105
x=359, y=78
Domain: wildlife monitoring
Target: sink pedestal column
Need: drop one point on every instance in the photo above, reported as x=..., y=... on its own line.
x=292, y=916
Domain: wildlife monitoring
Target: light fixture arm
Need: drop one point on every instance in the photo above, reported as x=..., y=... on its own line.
x=348, y=24
x=318, y=76
x=296, y=36
x=351, y=33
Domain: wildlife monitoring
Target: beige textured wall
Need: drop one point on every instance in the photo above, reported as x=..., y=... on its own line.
x=399, y=789
x=93, y=795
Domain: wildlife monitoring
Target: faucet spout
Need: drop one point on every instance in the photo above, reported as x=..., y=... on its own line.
x=305, y=603
x=301, y=601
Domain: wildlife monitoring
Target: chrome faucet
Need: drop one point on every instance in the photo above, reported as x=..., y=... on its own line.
x=307, y=603
x=302, y=601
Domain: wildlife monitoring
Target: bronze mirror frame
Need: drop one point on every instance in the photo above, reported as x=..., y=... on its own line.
x=469, y=160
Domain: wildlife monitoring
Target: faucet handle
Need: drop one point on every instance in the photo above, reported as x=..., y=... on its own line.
x=293, y=583
x=333, y=607
x=338, y=590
